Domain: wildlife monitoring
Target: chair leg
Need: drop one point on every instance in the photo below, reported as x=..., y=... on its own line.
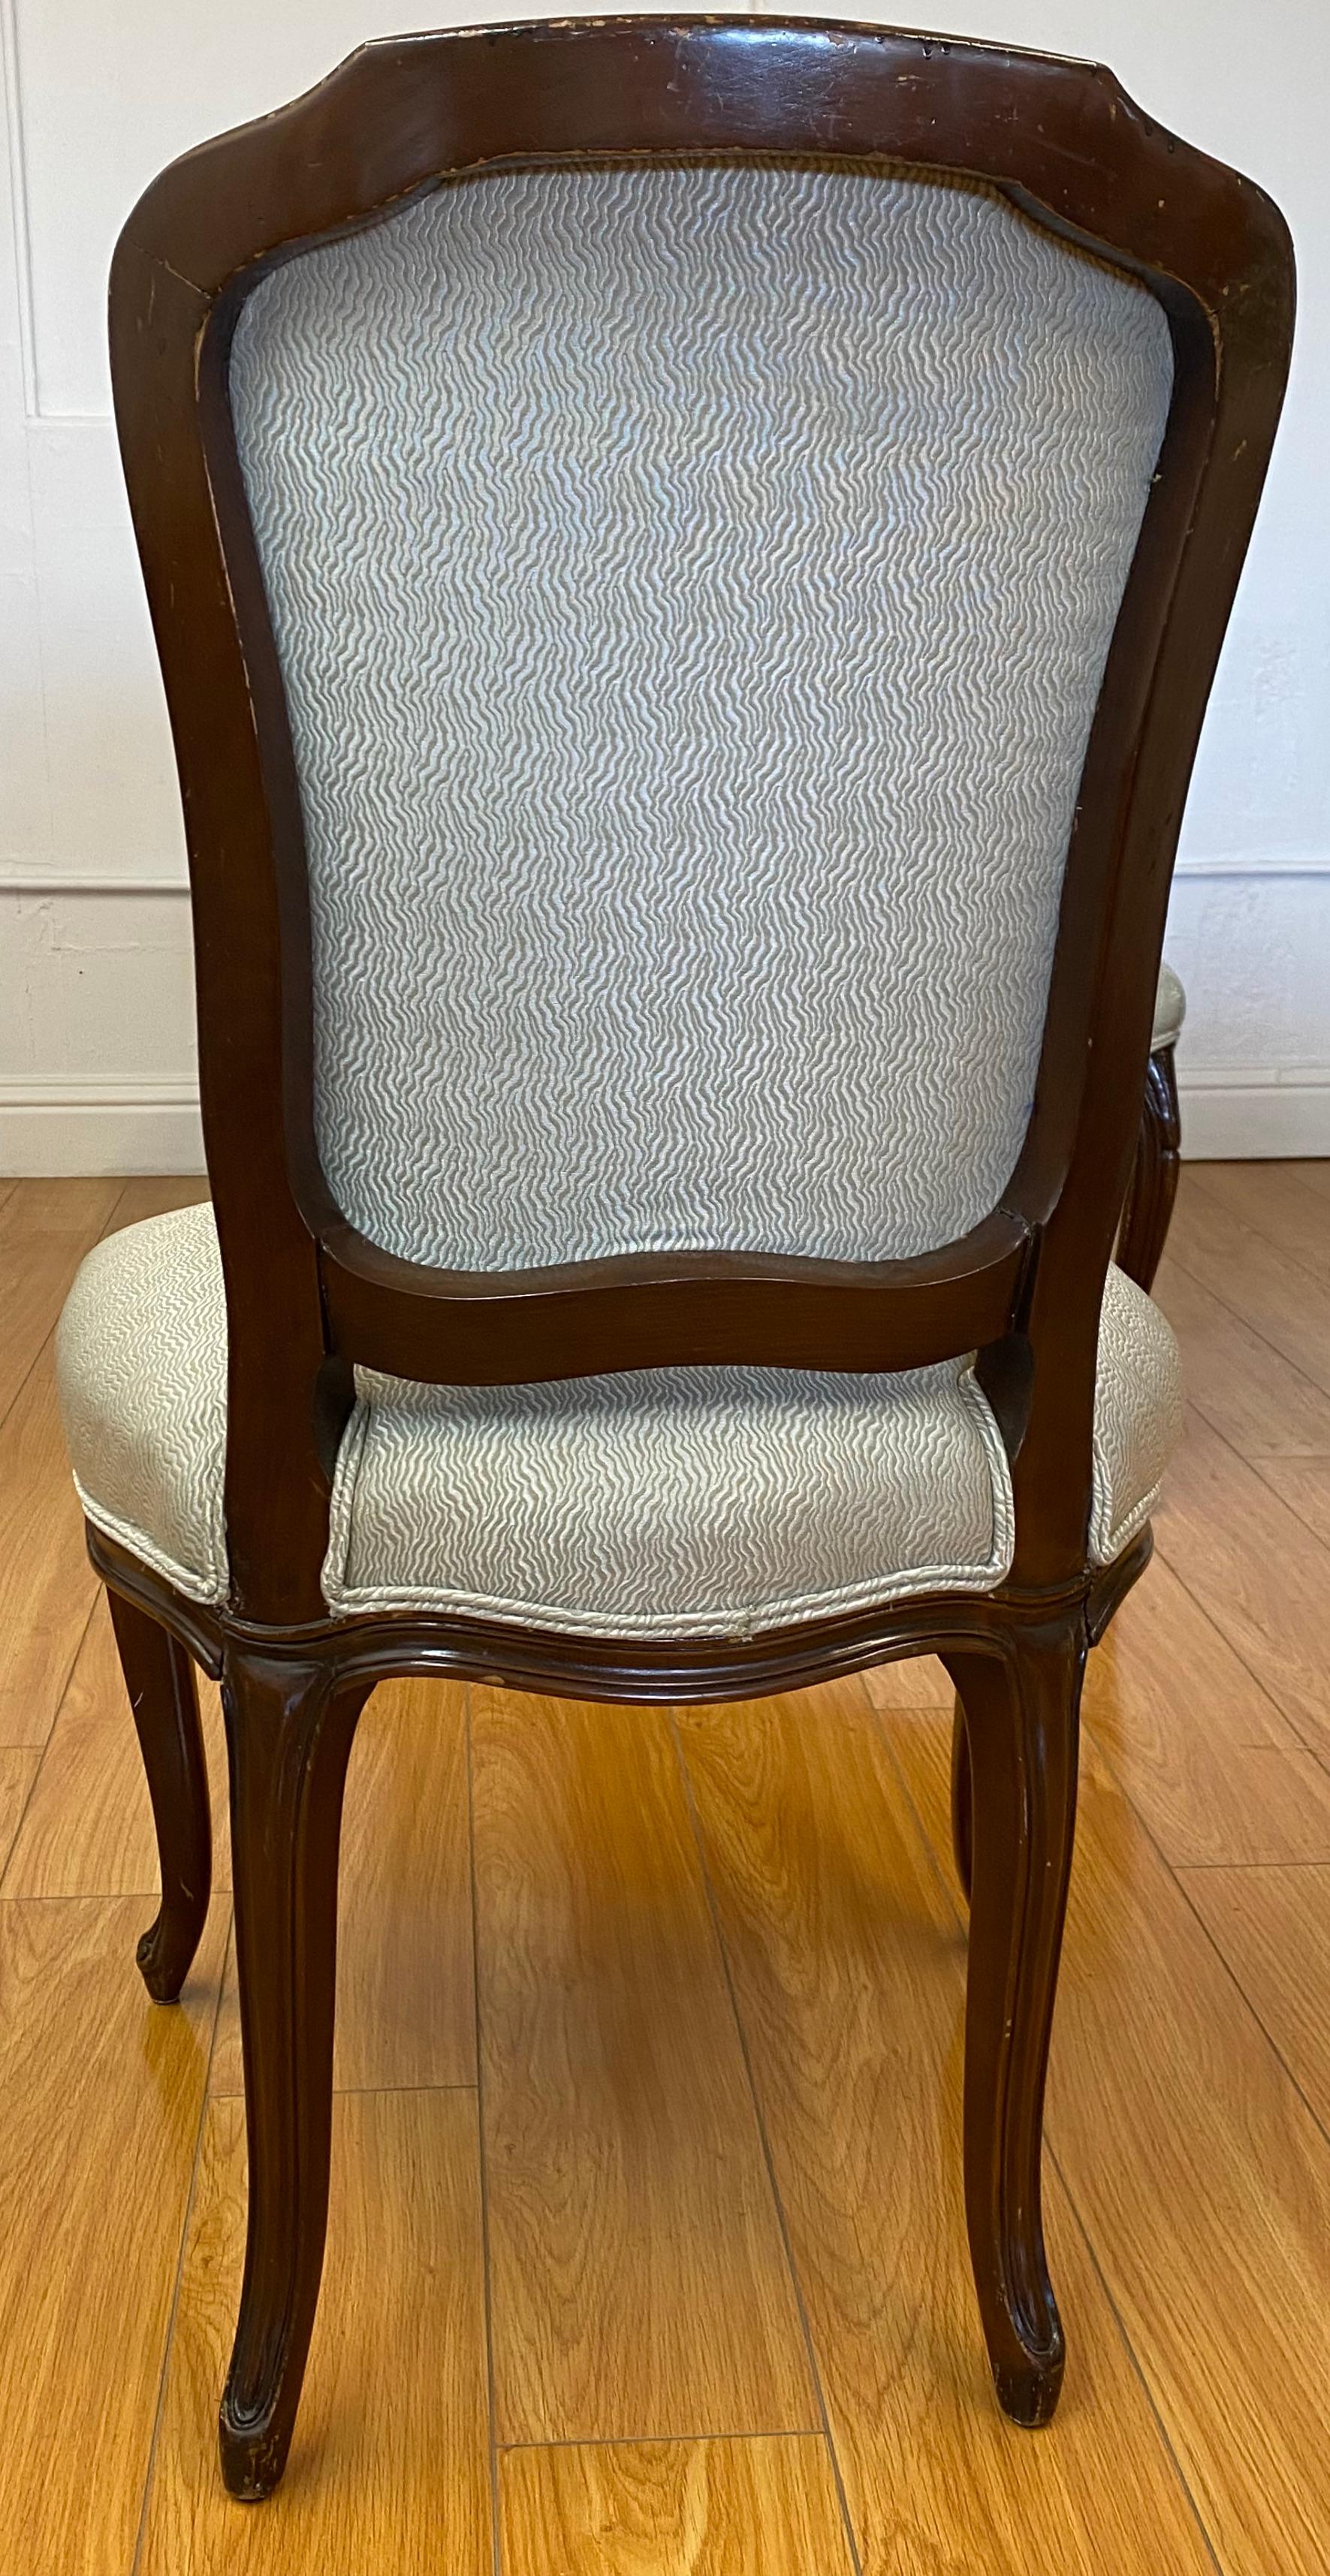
x=289, y=1734
x=159, y=1677
x=962, y=1800
x=1021, y=1713
x=1154, y=1180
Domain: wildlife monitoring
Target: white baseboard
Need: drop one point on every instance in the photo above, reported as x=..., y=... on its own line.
x=67, y=1128
x=60, y=1129
x=1244, y=1121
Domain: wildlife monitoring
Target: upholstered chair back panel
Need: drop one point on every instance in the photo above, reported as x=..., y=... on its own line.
x=692, y=586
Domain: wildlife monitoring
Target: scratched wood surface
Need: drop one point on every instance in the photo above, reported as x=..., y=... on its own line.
x=646, y=2253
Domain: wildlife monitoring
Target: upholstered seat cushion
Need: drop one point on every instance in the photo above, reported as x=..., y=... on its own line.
x=1170, y=1009
x=662, y=1503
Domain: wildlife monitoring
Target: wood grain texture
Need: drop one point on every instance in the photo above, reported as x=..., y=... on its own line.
x=390, y=2469
x=1194, y=2170
x=1275, y=1202
x=849, y=1965
x=1200, y=2175
x=88, y=1830
x=45, y=1229
x=1255, y=1569
x=1244, y=1387
x=100, y=2097
x=405, y=1984
x=638, y=2280
x=157, y=1194
x=18, y=1770
x=1272, y=1927
x=749, y=2507
x=1209, y=1762
x=1285, y=1303
x=921, y=1682
x=1304, y=1484
x=47, y=1587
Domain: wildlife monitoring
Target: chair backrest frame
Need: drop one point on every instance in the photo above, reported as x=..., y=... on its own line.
x=308, y=1297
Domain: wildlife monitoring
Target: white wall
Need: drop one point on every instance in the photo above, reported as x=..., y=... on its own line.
x=96, y=1049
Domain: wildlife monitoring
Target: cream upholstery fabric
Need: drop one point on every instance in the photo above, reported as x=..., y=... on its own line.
x=692, y=587
x=141, y=1362
x=1170, y=1009
x=681, y=1502
x=1138, y=1415
x=669, y=1502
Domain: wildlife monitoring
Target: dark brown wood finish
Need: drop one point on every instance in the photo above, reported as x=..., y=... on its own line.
x=379, y=1645
x=516, y=1326
x=962, y=1800
x=307, y=1297
x=290, y=1726
x=1154, y=1177
x=159, y=1677
x=1021, y=1711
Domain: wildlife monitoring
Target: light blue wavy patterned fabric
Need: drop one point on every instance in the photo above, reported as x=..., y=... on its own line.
x=692, y=587
x=665, y=1502
x=690, y=1502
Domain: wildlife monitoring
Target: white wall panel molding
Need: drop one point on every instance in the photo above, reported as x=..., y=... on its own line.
x=1256, y=863
x=42, y=881
x=97, y=1055
x=1249, y=1119
x=103, y=1127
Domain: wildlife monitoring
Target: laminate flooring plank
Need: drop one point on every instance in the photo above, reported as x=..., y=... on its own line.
x=638, y=2279
x=406, y=2010
x=390, y=2466
x=849, y=1966
x=750, y=2507
x=1199, y=2174
x=100, y=2098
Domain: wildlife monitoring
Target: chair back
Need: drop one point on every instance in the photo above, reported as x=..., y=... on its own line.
x=692, y=585
x=688, y=558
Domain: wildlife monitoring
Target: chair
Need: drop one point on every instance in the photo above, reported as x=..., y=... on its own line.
x=1154, y=1179
x=687, y=559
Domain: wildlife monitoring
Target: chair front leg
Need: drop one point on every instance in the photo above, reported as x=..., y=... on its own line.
x=159, y=1677
x=289, y=1732
x=1021, y=1712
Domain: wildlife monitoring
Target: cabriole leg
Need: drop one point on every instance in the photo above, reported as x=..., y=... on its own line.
x=1021, y=1713
x=159, y=1677
x=289, y=1733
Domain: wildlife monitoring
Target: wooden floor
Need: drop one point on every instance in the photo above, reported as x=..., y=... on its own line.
x=646, y=2254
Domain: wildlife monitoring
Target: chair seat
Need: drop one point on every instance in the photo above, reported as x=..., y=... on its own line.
x=1170, y=1009
x=660, y=1503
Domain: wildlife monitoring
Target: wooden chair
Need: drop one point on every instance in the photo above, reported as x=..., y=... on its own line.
x=688, y=559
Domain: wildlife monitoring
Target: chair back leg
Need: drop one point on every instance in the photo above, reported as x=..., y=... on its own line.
x=289, y=1734
x=1154, y=1179
x=962, y=1800
x=1021, y=1711
x=159, y=1677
